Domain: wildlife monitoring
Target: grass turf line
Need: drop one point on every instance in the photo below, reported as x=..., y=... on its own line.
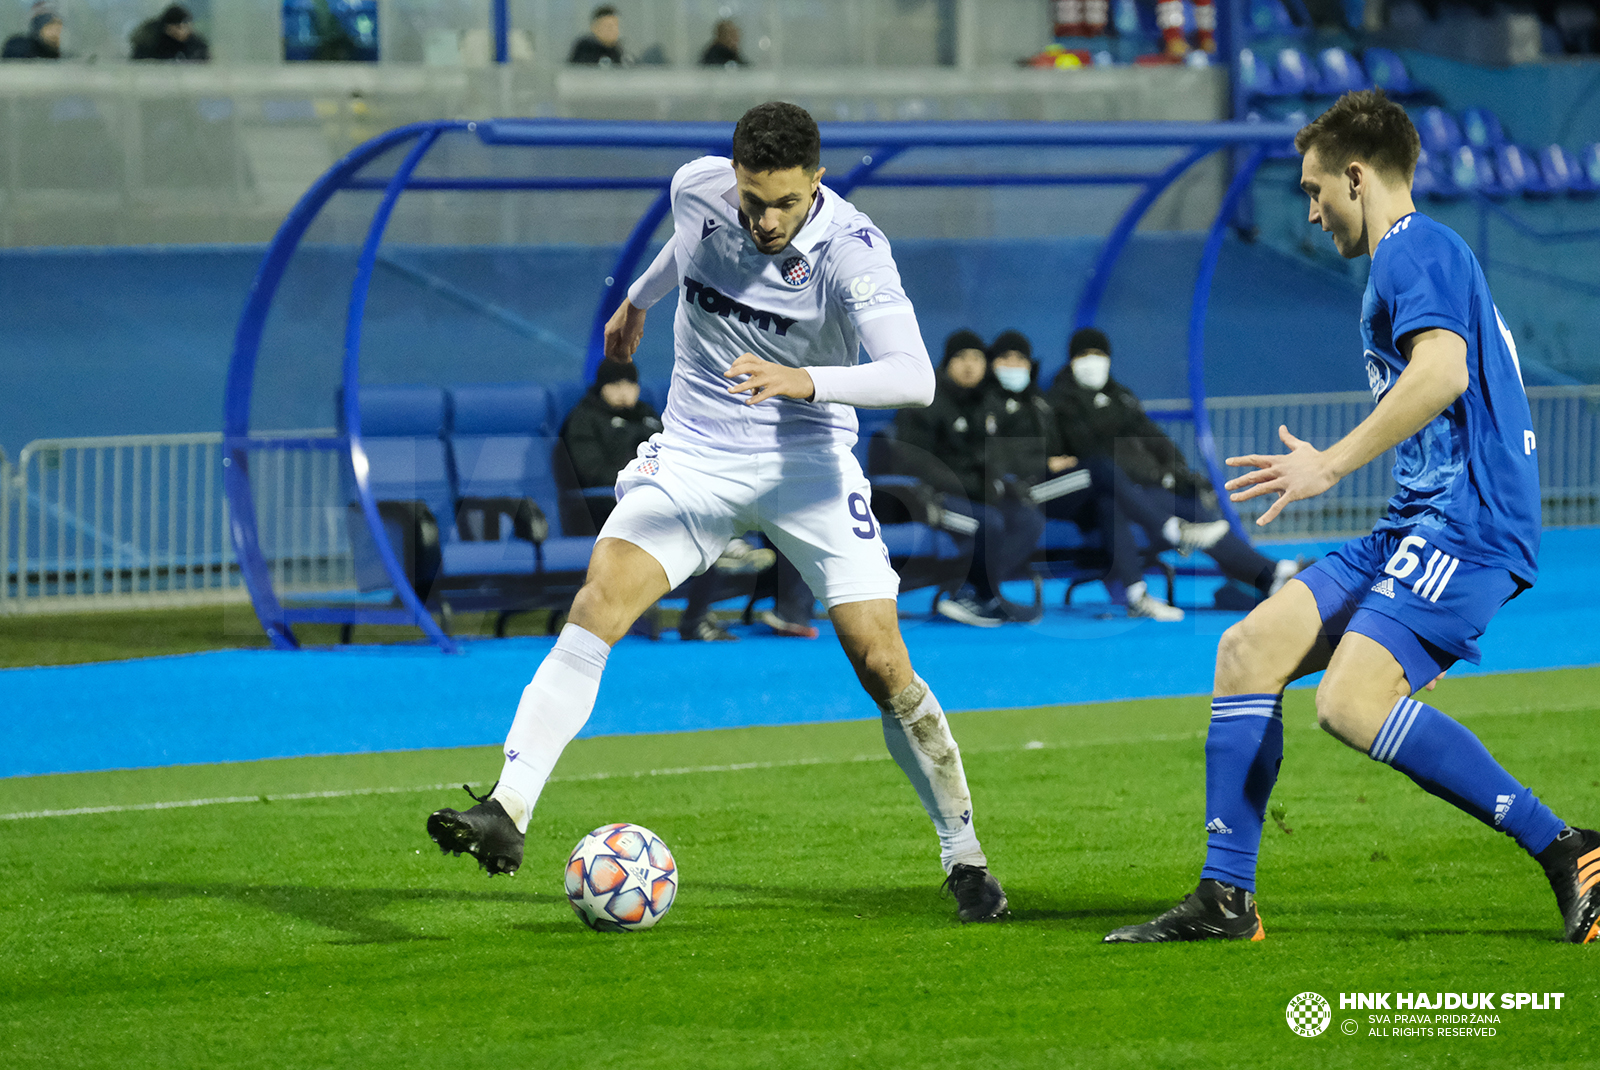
x=328, y=932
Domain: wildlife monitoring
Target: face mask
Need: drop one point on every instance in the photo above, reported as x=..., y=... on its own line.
x=1014, y=379
x=1091, y=371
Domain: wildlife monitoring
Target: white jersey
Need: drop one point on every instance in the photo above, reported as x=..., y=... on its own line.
x=803, y=307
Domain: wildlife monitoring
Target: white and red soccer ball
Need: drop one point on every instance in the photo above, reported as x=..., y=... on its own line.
x=621, y=878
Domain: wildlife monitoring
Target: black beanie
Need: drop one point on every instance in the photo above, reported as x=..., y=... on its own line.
x=962, y=339
x=614, y=371
x=1011, y=342
x=1086, y=339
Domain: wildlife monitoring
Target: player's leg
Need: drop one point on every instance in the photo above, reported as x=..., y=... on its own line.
x=1281, y=640
x=623, y=581
x=815, y=511
x=651, y=542
x=1365, y=702
x=918, y=737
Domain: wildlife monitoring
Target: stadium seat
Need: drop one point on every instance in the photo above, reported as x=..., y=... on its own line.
x=1471, y=171
x=402, y=435
x=1256, y=76
x=1295, y=74
x=1340, y=73
x=1481, y=129
x=1387, y=72
x=505, y=452
x=1269, y=18
x=1511, y=168
x=1439, y=131
x=1519, y=172
x=1586, y=177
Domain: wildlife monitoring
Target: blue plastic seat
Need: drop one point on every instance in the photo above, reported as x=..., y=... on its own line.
x=1440, y=133
x=1340, y=73
x=402, y=434
x=1387, y=71
x=1270, y=18
x=1427, y=182
x=1255, y=75
x=1512, y=171
x=1294, y=73
x=1471, y=171
x=1480, y=128
x=1586, y=177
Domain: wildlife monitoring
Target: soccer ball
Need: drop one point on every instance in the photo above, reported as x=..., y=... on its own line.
x=621, y=878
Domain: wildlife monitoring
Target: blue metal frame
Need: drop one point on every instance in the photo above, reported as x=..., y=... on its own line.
x=880, y=144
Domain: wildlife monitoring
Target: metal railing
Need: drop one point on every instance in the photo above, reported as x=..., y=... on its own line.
x=1566, y=424
x=142, y=520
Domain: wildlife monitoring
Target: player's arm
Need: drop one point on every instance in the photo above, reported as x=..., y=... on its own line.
x=1435, y=376
x=900, y=375
x=626, y=326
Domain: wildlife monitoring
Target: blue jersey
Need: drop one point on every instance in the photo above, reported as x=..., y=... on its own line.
x=1469, y=480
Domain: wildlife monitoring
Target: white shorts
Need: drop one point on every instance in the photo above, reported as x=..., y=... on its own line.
x=682, y=506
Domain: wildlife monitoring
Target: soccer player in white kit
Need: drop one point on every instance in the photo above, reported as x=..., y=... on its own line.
x=782, y=282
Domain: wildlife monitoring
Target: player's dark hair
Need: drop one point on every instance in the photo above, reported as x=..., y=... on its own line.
x=601, y=12
x=775, y=137
x=1363, y=125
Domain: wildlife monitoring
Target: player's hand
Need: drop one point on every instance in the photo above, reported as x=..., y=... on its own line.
x=1300, y=473
x=769, y=380
x=1434, y=682
x=1060, y=464
x=623, y=331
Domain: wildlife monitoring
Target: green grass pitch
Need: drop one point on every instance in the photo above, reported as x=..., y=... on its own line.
x=327, y=932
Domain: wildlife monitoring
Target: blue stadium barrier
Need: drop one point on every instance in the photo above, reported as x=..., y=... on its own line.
x=881, y=143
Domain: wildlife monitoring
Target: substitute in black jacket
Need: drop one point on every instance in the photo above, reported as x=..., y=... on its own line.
x=1101, y=418
x=1029, y=464
x=602, y=433
x=42, y=41
x=170, y=35
x=946, y=446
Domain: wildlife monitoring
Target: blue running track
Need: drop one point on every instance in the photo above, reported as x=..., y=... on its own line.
x=246, y=705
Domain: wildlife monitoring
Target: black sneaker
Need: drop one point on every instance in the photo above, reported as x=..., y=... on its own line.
x=485, y=832
x=979, y=896
x=706, y=630
x=1572, y=862
x=1213, y=911
x=973, y=612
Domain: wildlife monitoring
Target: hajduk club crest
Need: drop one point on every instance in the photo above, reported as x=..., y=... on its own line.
x=796, y=272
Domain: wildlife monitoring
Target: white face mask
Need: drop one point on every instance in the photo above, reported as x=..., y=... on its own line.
x=1091, y=370
x=1014, y=379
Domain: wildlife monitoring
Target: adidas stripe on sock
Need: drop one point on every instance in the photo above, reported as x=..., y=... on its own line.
x=1244, y=748
x=1447, y=760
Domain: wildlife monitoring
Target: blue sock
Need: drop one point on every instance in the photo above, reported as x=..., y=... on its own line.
x=1244, y=747
x=1448, y=761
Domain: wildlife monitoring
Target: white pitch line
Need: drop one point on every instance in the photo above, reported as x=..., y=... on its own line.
x=687, y=770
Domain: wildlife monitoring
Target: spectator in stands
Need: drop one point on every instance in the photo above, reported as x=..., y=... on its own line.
x=1029, y=464
x=602, y=433
x=170, y=35
x=723, y=51
x=602, y=45
x=946, y=446
x=1101, y=418
x=42, y=41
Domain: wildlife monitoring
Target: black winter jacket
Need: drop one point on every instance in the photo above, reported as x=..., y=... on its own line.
x=944, y=445
x=1025, y=436
x=1110, y=422
x=151, y=41
x=600, y=439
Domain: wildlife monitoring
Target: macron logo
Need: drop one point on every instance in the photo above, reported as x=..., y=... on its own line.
x=1502, y=807
x=1384, y=587
x=1217, y=828
x=708, y=229
x=511, y=755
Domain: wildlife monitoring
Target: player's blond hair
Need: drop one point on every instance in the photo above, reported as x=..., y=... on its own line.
x=1363, y=125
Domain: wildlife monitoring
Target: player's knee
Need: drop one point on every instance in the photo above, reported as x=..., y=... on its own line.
x=1239, y=660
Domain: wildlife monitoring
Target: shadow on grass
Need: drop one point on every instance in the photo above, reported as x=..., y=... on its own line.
x=1026, y=905
x=353, y=911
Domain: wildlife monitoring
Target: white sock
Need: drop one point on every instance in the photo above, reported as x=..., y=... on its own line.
x=553, y=708
x=919, y=740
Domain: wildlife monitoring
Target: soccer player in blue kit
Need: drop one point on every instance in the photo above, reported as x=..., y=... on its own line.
x=1386, y=614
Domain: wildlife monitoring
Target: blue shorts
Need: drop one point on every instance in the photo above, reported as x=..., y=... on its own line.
x=1422, y=605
